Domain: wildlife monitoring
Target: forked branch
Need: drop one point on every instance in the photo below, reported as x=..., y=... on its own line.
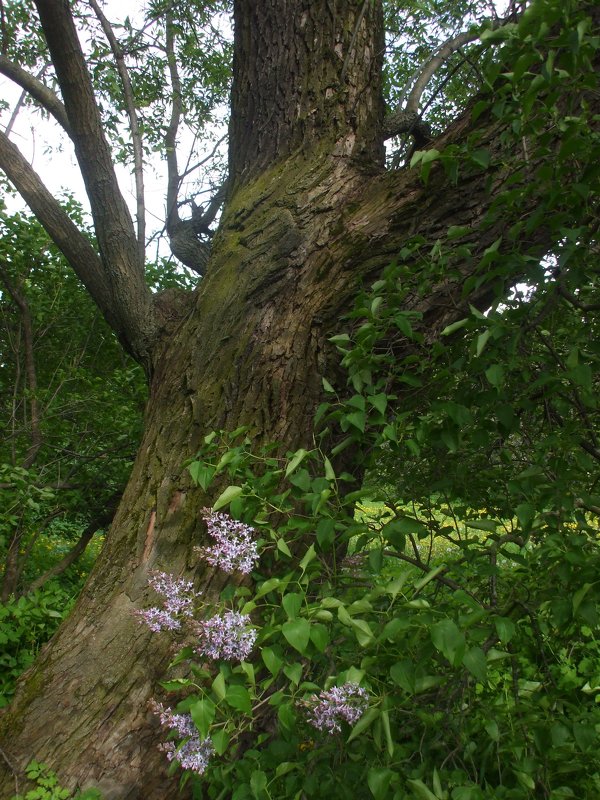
x=136, y=136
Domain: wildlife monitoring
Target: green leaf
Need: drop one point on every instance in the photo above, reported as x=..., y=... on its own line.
x=488, y=525
x=378, y=780
x=329, y=471
x=292, y=603
x=203, y=713
x=481, y=157
x=365, y=722
x=229, y=494
x=309, y=556
x=403, y=673
x=201, y=473
x=579, y=595
x=272, y=661
x=268, y=586
x=358, y=419
x=220, y=740
x=283, y=548
x=285, y=767
x=505, y=628
x=482, y=340
x=495, y=375
x=385, y=722
x=219, y=687
x=319, y=636
x=429, y=577
x=475, y=661
x=430, y=155
x=455, y=326
x=293, y=672
x=449, y=640
x=362, y=631
x=238, y=697
x=420, y=790
x=492, y=730
x=379, y=401
x=295, y=461
x=297, y=633
x=258, y=783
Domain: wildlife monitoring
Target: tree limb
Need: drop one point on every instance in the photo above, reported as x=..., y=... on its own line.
x=185, y=243
x=121, y=264
x=102, y=520
x=37, y=89
x=136, y=137
x=64, y=233
x=428, y=70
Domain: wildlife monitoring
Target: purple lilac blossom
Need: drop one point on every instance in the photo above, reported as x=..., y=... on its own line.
x=327, y=709
x=193, y=754
x=157, y=619
x=234, y=547
x=225, y=636
x=178, y=601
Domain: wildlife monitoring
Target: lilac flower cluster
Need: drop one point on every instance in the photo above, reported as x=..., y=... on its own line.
x=178, y=602
x=193, y=754
x=327, y=709
x=234, y=547
x=225, y=636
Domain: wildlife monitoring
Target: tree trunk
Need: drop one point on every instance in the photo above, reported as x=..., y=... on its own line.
x=311, y=215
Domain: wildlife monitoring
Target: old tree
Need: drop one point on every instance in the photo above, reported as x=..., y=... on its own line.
x=310, y=213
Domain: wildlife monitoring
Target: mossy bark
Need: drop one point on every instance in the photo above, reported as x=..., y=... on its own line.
x=293, y=247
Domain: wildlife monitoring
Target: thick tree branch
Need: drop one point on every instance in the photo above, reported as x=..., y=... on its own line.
x=434, y=63
x=64, y=233
x=136, y=136
x=118, y=246
x=407, y=119
x=38, y=90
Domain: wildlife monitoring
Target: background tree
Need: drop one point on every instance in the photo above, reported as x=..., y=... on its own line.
x=310, y=214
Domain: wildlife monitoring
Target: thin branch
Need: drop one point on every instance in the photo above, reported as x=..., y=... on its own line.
x=440, y=578
x=38, y=90
x=573, y=300
x=211, y=155
x=102, y=520
x=136, y=136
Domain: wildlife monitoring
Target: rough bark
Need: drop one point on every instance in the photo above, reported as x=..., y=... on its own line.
x=310, y=216
x=291, y=251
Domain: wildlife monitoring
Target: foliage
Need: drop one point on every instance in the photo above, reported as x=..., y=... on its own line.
x=25, y=625
x=48, y=788
x=466, y=606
